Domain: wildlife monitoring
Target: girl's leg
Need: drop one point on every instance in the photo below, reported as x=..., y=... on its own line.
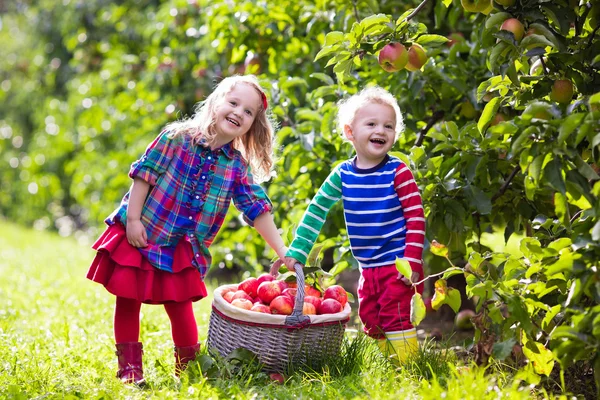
x=183, y=323
x=185, y=333
x=127, y=320
x=129, y=349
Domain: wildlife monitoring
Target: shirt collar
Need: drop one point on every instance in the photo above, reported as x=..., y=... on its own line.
x=226, y=149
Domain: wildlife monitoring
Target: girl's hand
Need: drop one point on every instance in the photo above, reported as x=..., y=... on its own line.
x=408, y=282
x=136, y=234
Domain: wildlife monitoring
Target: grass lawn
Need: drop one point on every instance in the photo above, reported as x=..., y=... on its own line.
x=56, y=342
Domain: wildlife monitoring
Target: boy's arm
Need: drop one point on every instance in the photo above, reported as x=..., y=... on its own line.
x=410, y=198
x=314, y=217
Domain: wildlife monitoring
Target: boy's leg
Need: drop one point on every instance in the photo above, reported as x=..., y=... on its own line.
x=394, y=315
x=368, y=308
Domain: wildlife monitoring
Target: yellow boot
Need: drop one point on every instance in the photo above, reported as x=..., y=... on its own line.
x=399, y=345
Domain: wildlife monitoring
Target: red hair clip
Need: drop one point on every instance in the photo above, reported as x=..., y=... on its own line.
x=264, y=100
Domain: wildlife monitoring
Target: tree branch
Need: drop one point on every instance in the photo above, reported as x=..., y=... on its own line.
x=506, y=183
x=437, y=115
x=416, y=10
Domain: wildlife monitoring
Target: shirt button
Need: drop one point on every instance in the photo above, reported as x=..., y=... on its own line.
x=203, y=177
x=197, y=255
x=190, y=217
x=209, y=158
x=197, y=197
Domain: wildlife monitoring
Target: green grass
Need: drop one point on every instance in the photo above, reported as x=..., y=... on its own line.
x=56, y=342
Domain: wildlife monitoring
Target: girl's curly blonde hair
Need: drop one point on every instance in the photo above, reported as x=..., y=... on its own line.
x=256, y=145
x=348, y=108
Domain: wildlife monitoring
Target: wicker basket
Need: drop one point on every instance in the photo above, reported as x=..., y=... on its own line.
x=280, y=342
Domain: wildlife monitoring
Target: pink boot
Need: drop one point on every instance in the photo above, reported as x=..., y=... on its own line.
x=129, y=356
x=183, y=355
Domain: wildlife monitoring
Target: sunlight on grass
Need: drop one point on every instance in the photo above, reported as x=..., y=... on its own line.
x=56, y=341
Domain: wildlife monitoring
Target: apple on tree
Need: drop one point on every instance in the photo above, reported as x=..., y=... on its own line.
x=562, y=91
x=417, y=57
x=482, y=6
x=393, y=57
x=515, y=26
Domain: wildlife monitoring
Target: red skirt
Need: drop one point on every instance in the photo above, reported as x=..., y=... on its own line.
x=124, y=272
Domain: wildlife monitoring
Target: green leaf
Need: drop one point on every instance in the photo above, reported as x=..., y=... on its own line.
x=325, y=51
x=501, y=350
x=334, y=37
x=417, y=309
x=553, y=173
x=542, y=358
x=488, y=113
x=534, y=40
x=453, y=299
x=403, y=267
x=372, y=20
x=495, y=20
x=568, y=126
x=432, y=40
x=323, y=78
x=439, y=295
x=447, y=3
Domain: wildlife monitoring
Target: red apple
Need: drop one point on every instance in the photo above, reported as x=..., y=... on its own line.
x=249, y=286
x=282, y=305
x=338, y=293
x=290, y=284
x=265, y=277
x=242, y=303
x=261, y=308
x=268, y=290
x=290, y=292
x=276, y=377
x=515, y=26
x=282, y=285
x=330, y=306
x=240, y=294
x=393, y=57
x=416, y=57
x=311, y=291
x=309, y=309
x=228, y=296
x=315, y=301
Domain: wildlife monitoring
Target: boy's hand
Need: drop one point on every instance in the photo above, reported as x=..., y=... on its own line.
x=290, y=262
x=413, y=278
x=136, y=234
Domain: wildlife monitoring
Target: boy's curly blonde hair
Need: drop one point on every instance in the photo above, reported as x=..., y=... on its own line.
x=256, y=145
x=348, y=108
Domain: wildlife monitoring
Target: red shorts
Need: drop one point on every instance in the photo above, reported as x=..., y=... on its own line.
x=384, y=301
x=124, y=272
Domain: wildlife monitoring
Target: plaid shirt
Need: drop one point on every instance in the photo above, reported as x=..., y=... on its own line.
x=191, y=189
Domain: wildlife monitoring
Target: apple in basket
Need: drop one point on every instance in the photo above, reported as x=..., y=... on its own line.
x=315, y=301
x=330, y=306
x=228, y=296
x=282, y=284
x=261, y=308
x=311, y=291
x=338, y=293
x=290, y=292
x=266, y=277
x=268, y=290
x=242, y=303
x=309, y=309
x=240, y=294
x=282, y=305
x=249, y=286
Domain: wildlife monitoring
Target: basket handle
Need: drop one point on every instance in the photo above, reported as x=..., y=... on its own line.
x=297, y=317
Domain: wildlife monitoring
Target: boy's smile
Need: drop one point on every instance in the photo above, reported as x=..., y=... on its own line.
x=372, y=132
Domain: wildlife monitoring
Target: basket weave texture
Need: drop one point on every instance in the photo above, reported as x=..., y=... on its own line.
x=279, y=342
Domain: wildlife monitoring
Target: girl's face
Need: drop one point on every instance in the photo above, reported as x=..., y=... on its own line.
x=372, y=133
x=236, y=113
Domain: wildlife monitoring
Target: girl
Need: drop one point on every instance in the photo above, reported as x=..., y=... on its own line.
x=383, y=214
x=155, y=249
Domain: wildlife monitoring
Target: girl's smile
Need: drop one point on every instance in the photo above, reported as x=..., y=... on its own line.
x=235, y=115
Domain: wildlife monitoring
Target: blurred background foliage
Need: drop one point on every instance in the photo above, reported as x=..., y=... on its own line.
x=86, y=85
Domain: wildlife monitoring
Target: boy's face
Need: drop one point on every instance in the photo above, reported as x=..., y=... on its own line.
x=372, y=133
x=236, y=113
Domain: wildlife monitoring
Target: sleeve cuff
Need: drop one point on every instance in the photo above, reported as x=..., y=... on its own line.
x=139, y=170
x=296, y=255
x=257, y=209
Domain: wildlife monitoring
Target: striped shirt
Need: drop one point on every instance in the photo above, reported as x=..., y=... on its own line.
x=191, y=188
x=383, y=213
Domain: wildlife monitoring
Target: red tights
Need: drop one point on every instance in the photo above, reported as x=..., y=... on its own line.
x=183, y=322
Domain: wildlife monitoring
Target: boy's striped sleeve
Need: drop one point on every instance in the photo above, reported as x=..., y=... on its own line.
x=410, y=198
x=314, y=217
